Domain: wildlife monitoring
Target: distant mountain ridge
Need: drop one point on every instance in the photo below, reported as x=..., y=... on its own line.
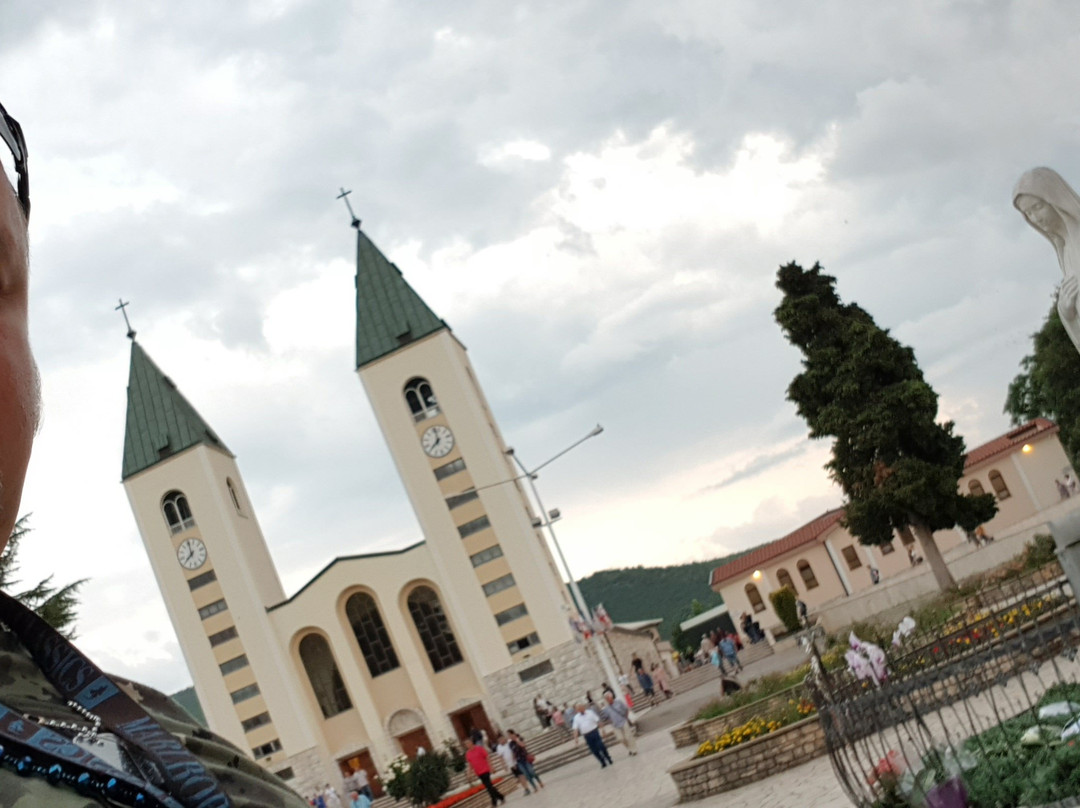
x=645, y=593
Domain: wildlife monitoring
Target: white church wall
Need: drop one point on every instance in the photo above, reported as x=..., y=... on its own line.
x=237, y=554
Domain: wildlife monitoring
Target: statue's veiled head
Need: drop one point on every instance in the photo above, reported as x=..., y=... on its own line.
x=1049, y=205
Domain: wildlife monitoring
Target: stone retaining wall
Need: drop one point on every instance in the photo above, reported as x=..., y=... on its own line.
x=749, y=762
x=695, y=733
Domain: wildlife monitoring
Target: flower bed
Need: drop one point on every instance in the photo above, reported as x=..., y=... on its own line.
x=695, y=733
x=795, y=710
x=750, y=760
x=461, y=796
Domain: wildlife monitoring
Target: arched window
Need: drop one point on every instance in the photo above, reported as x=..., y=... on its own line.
x=177, y=512
x=233, y=495
x=367, y=624
x=323, y=674
x=752, y=595
x=975, y=488
x=784, y=579
x=997, y=482
x=433, y=628
x=421, y=399
x=807, y=575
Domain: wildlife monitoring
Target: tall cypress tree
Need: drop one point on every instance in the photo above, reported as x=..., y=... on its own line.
x=898, y=467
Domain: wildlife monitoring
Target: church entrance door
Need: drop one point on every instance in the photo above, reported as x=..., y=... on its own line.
x=471, y=718
x=362, y=760
x=413, y=740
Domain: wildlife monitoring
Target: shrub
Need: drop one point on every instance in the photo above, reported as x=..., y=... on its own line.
x=783, y=603
x=455, y=758
x=1039, y=552
x=421, y=781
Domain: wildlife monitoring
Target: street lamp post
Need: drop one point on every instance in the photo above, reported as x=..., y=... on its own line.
x=547, y=521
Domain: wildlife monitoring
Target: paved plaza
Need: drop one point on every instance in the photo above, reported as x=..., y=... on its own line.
x=643, y=782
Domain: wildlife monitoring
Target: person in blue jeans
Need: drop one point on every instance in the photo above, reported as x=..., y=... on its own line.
x=727, y=648
x=587, y=725
x=524, y=763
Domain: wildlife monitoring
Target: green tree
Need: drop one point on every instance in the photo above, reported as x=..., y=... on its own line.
x=898, y=467
x=57, y=606
x=783, y=603
x=679, y=642
x=1049, y=384
x=696, y=607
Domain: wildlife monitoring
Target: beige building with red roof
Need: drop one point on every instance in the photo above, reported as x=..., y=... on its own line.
x=824, y=563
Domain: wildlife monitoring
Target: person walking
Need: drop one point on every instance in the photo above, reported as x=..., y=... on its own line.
x=617, y=714
x=727, y=648
x=543, y=709
x=646, y=683
x=504, y=749
x=361, y=784
x=524, y=760
x=717, y=660
x=659, y=676
x=587, y=725
x=477, y=756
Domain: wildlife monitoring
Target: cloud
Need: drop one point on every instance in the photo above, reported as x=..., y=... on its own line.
x=595, y=197
x=757, y=466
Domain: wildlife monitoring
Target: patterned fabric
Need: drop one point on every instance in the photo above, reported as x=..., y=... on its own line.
x=25, y=689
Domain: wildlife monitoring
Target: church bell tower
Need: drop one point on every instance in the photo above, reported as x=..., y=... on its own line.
x=499, y=576
x=214, y=571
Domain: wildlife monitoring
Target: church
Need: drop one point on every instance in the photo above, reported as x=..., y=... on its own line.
x=379, y=654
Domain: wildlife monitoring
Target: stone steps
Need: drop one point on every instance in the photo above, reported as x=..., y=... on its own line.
x=546, y=740
x=752, y=653
x=569, y=752
x=557, y=751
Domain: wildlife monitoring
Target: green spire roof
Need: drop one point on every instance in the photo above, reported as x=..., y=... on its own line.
x=389, y=314
x=160, y=421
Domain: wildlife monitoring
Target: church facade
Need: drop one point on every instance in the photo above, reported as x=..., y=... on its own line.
x=379, y=654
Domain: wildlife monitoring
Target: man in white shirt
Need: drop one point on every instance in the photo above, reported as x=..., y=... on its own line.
x=587, y=725
x=618, y=715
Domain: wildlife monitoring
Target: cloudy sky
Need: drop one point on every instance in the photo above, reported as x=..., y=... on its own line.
x=594, y=194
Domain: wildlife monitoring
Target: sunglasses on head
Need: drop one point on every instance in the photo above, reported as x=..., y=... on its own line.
x=11, y=134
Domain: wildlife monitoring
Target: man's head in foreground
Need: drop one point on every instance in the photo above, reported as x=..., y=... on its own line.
x=18, y=375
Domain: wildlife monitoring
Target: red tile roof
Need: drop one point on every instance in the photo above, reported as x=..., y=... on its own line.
x=812, y=531
x=1010, y=440
x=807, y=534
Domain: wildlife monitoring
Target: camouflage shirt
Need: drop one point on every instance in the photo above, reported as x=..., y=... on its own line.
x=25, y=689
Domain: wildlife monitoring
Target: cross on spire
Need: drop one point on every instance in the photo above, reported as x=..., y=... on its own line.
x=345, y=195
x=122, y=308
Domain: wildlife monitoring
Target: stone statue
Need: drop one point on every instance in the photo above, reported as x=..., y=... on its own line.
x=1053, y=208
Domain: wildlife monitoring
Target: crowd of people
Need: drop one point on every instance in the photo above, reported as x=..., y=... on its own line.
x=327, y=796
x=582, y=722
x=651, y=681
x=721, y=649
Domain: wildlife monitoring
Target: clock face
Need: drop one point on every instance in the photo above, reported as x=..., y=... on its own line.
x=191, y=554
x=437, y=441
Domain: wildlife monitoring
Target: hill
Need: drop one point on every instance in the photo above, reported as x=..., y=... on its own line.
x=644, y=593
x=187, y=699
